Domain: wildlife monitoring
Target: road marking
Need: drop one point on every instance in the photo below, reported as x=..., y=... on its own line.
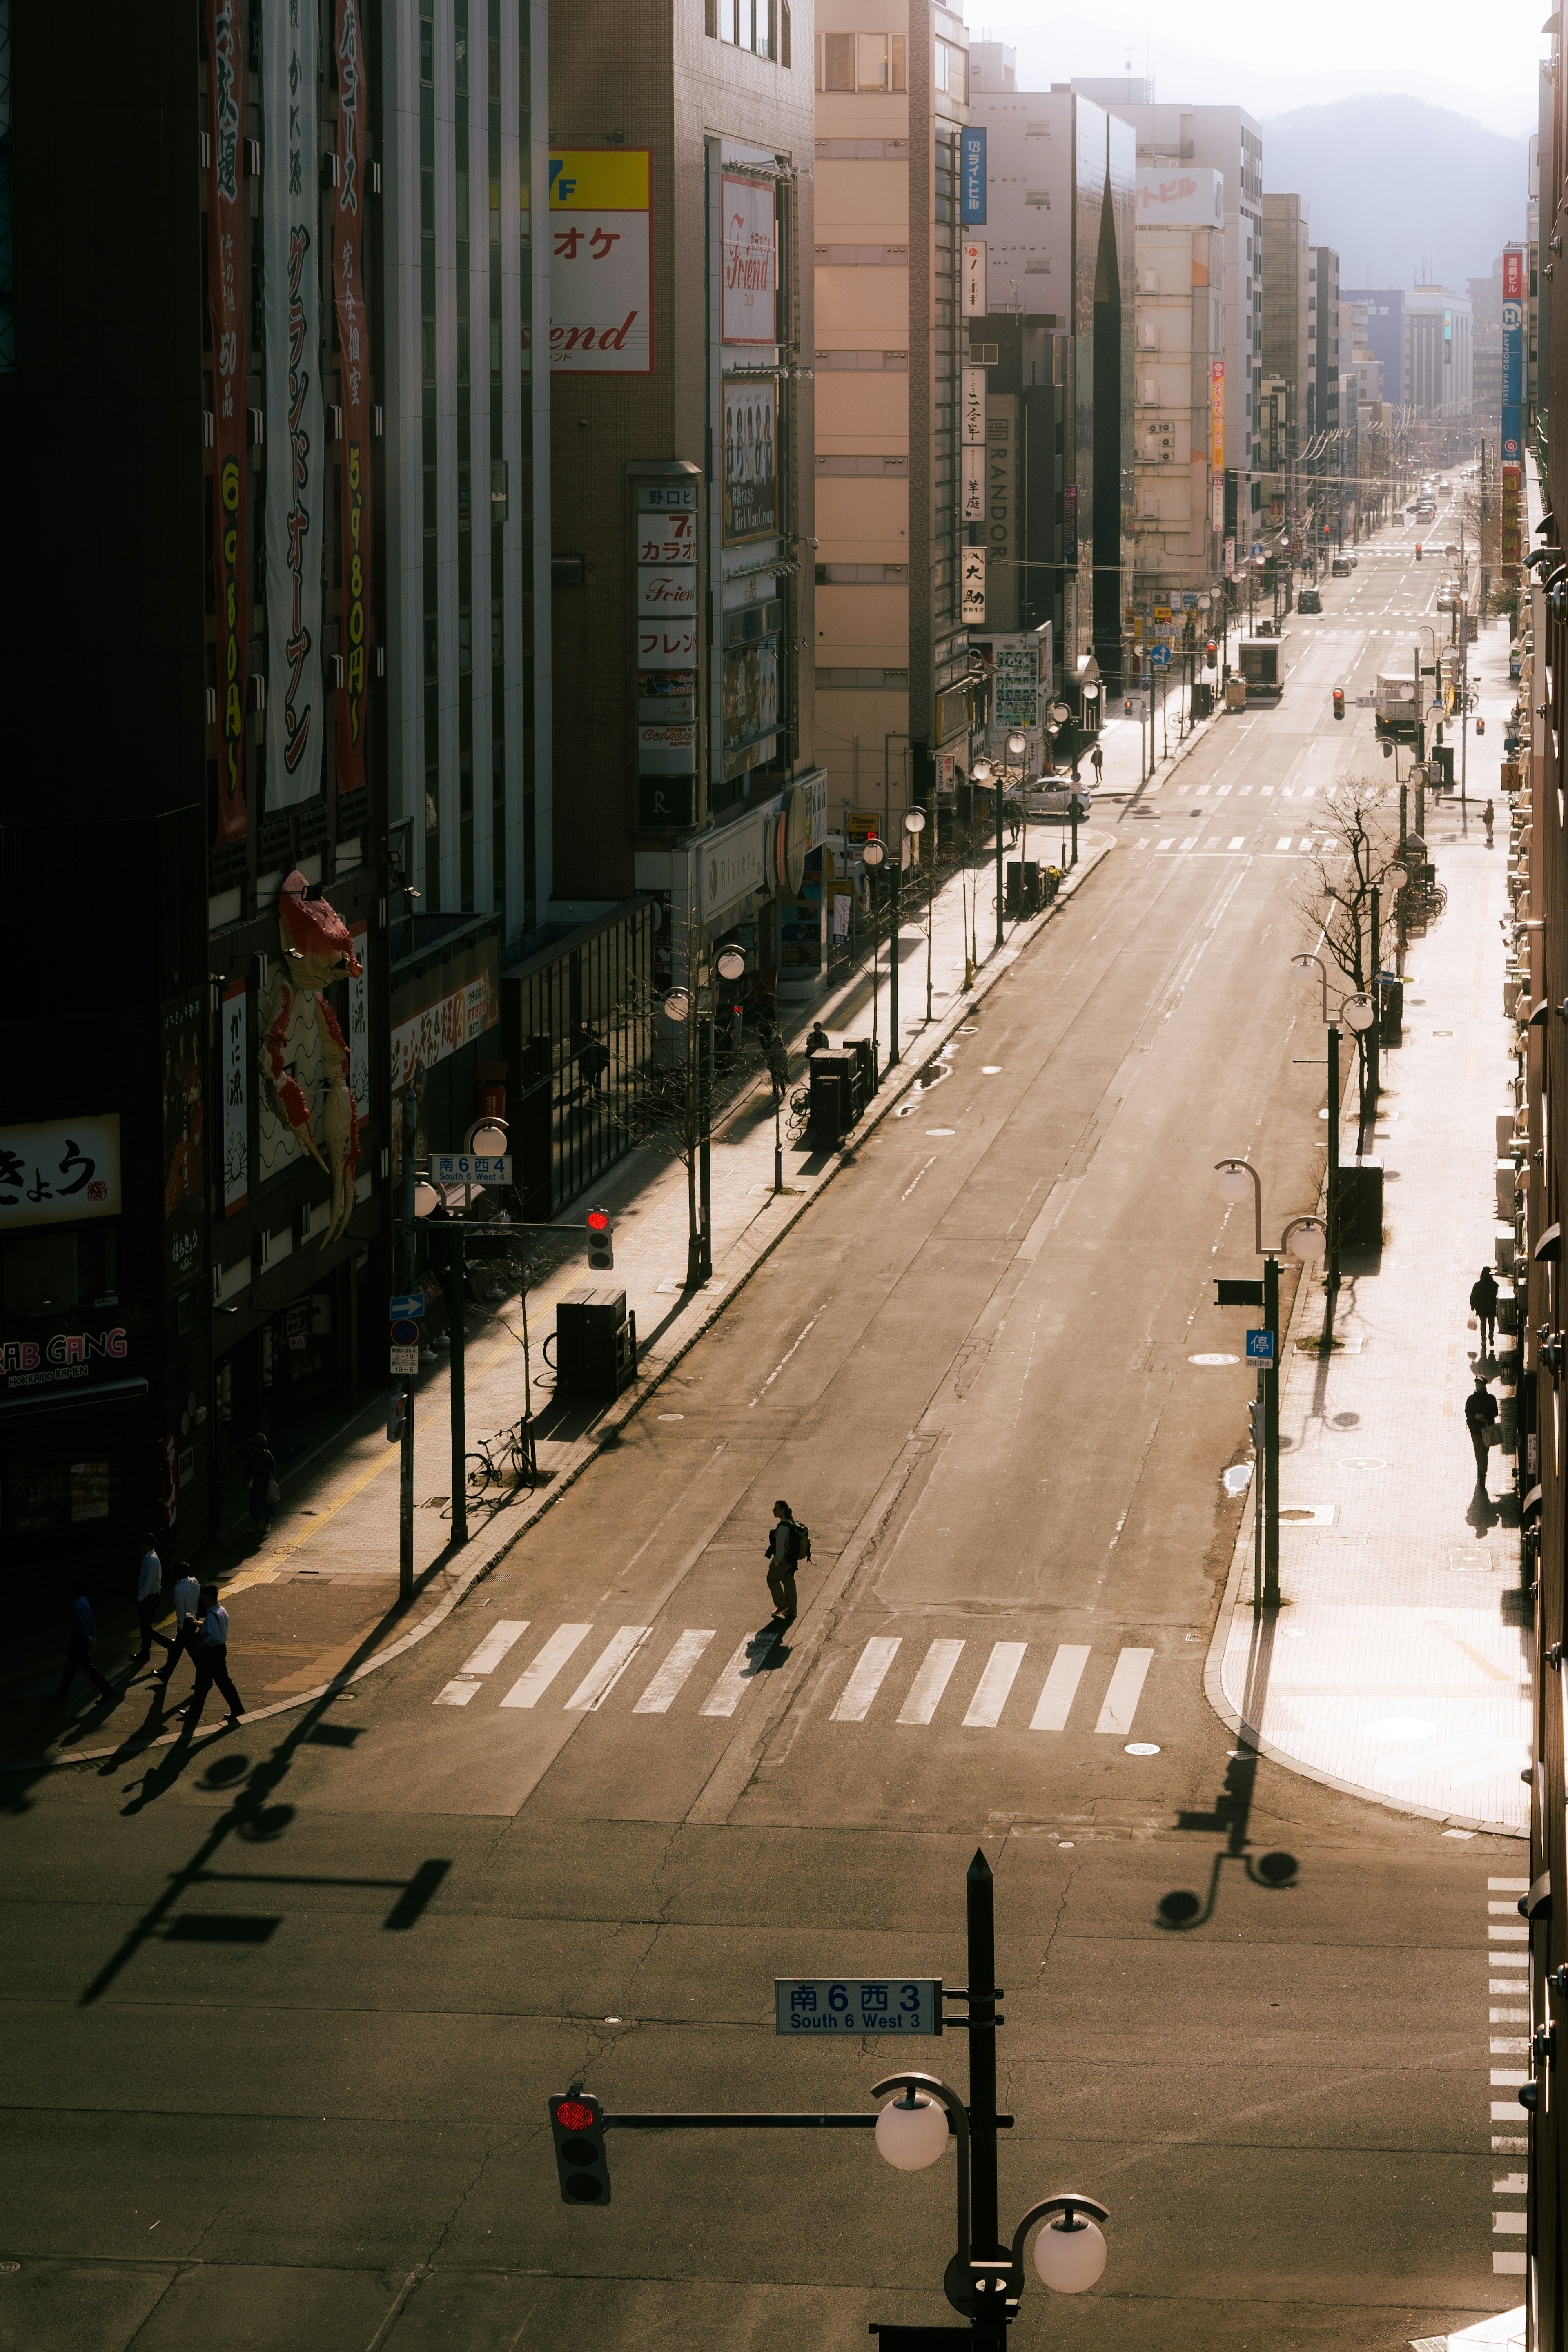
x=532, y=1686
x=909, y=1187
x=1061, y=1688
x=1169, y=843
x=607, y=1669
x=866, y=1680
x=500, y=1638
x=1125, y=1689
x=784, y=1358
x=1239, y=840
x=730, y=1687
x=667, y=1685
x=926, y=1690
x=1190, y=841
x=1283, y=842
x=990, y=1693
x=1307, y=844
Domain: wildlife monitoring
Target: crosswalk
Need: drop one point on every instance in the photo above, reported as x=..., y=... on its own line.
x=1001, y=1695
x=1261, y=843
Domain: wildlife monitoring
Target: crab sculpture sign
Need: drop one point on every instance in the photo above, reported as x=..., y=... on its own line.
x=317, y=949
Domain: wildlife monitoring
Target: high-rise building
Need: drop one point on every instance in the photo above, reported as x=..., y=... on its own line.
x=1179, y=383
x=1421, y=335
x=1285, y=365
x=891, y=653
x=1330, y=475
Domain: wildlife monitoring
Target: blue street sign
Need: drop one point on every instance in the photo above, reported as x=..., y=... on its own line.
x=827, y=2005
x=971, y=149
x=1160, y=657
x=401, y=1309
x=1260, y=1346
x=1189, y=599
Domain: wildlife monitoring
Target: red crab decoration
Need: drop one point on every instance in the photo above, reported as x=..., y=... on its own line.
x=317, y=949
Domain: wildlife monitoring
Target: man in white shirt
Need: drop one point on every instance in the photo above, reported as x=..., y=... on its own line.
x=186, y=1597
x=149, y=1592
x=210, y=1648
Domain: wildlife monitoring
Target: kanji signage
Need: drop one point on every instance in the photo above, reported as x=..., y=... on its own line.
x=843, y=2005
x=56, y=1171
x=226, y=252
x=971, y=152
x=600, y=262
x=353, y=340
x=297, y=471
x=972, y=583
x=185, y=1124
x=669, y=598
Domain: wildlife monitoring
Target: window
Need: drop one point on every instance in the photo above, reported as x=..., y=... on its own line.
x=952, y=70
x=746, y=24
x=858, y=61
x=56, y=1269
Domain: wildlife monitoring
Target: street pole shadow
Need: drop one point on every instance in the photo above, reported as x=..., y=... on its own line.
x=1181, y=1909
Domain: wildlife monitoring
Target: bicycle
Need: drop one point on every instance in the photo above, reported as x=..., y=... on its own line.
x=506, y=1458
x=799, y=1114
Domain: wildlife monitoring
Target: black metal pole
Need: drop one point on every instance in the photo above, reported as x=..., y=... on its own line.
x=1333, y=1216
x=455, y=1322
x=893, y=920
x=1373, y=1037
x=983, y=2243
x=706, y=1048
x=405, y=1458
x=1001, y=893
x=1271, y=1437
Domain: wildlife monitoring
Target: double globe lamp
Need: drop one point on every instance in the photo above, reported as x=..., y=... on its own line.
x=1070, y=2252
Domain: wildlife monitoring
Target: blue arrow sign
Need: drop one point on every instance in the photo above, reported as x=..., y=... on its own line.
x=401, y=1309
x=1260, y=1346
x=1160, y=657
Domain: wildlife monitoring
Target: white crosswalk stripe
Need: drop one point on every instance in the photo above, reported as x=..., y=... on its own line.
x=935, y=1676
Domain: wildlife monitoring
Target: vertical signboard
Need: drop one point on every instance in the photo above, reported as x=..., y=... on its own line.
x=234, y=1063
x=359, y=1021
x=972, y=439
x=749, y=292
x=750, y=460
x=226, y=247
x=600, y=262
x=1002, y=512
x=974, y=267
x=185, y=1180
x=972, y=584
x=295, y=504
x=1217, y=415
x=668, y=606
x=971, y=169
x=1512, y=353
x=354, y=341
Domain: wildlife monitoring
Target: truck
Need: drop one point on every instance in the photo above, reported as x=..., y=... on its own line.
x=1261, y=665
x=1394, y=704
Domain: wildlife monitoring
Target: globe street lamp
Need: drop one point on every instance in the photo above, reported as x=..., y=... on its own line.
x=914, y=825
x=686, y=1008
x=872, y=854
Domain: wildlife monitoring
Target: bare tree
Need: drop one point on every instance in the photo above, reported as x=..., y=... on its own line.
x=1334, y=895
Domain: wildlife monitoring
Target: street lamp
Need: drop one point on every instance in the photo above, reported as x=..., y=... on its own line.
x=914, y=825
x=872, y=854
x=1306, y=1239
x=686, y=1009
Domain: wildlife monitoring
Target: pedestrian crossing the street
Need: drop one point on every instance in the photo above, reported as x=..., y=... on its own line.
x=971, y=1684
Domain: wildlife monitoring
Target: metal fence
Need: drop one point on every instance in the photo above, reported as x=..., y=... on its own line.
x=578, y=1019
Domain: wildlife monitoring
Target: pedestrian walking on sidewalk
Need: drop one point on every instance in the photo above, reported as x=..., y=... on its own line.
x=1097, y=762
x=819, y=1041
x=788, y=1544
x=1483, y=1304
x=78, y=1650
x=262, y=1483
x=778, y=1064
x=211, y=1653
x=149, y=1592
x=1480, y=1413
x=186, y=1598
x=1489, y=819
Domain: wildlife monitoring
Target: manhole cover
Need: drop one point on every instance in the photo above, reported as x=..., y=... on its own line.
x=1214, y=1359
x=1140, y=1748
x=942, y=1130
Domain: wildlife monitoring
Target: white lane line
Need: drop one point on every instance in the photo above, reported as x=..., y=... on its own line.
x=909, y=1187
x=607, y=1669
x=1190, y=840
x=1169, y=842
x=1283, y=842
x=489, y=1654
x=1499, y=1935
x=737, y=1677
x=866, y=1680
x=991, y=1692
x=1125, y=1689
x=926, y=1690
x=1510, y=2045
x=784, y=1358
x=1238, y=841
x=665, y=1685
x=532, y=1686
x=1061, y=1688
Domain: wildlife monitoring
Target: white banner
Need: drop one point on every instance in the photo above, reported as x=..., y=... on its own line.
x=974, y=304
x=747, y=299
x=972, y=483
x=234, y=1063
x=971, y=406
x=297, y=471
x=972, y=583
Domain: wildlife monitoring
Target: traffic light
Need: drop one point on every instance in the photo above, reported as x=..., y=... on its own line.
x=1210, y=650
x=577, y=2129
x=1339, y=702
x=1418, y=551
x=397, y=1406
x=601, y=1241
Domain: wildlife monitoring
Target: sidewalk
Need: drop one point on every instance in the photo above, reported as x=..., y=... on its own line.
x=316, y=1605
x=1399, y=1667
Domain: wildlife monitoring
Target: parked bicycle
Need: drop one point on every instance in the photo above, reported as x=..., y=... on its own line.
x=506, y=1459
x=799, y=1114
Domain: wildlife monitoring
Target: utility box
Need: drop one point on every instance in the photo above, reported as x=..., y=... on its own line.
x=1360, y=1207
x=1024, y=895
x=865, y=1055
x=596, y=1343
x=1201, y=700
x=1235, y=694
x=836, y=1096
x=1391, y=1012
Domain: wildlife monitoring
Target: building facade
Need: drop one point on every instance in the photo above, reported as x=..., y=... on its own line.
x=1179, y=384
x=1329, y=473
x=1287, y=366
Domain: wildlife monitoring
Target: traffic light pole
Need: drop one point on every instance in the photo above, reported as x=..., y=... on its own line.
x=405, y=1457
x=456, y=1321
x=1001, y=890
x=1332, y=1253
x=895, y=885
x=1271, y=1436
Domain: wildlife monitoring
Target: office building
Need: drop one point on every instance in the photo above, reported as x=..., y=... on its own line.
x=1325, y=457
x=1421, y=336
x=1179, y=384
x=1286, y=366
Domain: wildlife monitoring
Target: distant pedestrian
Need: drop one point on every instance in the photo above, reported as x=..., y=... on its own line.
x=1097, y=762
x=788, y=1544
x=1489, y=819
x=78, y=1650
x=210, y=1650
x=1480, y=1413
x=1483, y=1302
x=186, y=1598
x=778, y=1064
x=262, y=1482
x=819, y=1041
x=149, y=1592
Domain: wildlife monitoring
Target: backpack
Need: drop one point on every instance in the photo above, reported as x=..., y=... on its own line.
x=801, y=1539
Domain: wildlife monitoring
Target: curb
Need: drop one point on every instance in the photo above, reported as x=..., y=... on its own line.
x=607, y=1432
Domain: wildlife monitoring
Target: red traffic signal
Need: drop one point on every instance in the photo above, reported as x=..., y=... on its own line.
x=1418, y=551
x=575, y=2116
x=1339, y=702
x=577, y=2129
x=600, y=1240
x=1209, y=651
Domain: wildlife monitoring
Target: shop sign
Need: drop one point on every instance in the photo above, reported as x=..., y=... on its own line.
x=972, y=583
x=299, y=470
x=600, y=262
x=468, y=1005
x=750, y=265
x=751, y=461
x=57, y=1171
x=63, y=1356
x=974, y=275
x=234, y=1063
x=184, y=1156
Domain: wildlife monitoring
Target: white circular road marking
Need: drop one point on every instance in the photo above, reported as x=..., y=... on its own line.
x=1140, y=1748
x=1399, y=1727
x=1214, y=1359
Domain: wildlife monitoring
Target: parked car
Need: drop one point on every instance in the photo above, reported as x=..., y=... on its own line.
x=1308, y=601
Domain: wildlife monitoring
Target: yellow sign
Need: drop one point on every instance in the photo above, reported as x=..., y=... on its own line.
x=1161, y=612
x=1217, y=415
x=602, y=179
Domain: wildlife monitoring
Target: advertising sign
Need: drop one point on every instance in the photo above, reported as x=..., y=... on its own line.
x=751, y=461
x=1016, y=677
x=972, y=483
x=296, y=469
x=600, y=262
x=972, y=584
x=467, y=1003
x=184, y=1178
x=972, y=170
x=668, y=586
x=359, y=1021
x=1217, y=415
x=1512, y=479
x=748, y=303
x=57, y=1171
x=353, y=343
x=1191, y=196
x=974, y=303
x=971, y=406
x=234, y=1077
x=226, y=247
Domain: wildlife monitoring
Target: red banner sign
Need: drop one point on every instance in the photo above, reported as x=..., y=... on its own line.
x=226, y=232
x=1511, y=503
x=354, y=339
x=1513, y=274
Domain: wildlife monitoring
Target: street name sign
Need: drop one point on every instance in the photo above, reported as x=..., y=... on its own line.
x=470, y=1168
x=408, y=1308
x=840, y=2005
x=405, y=1362
x=1228, y=1292
x=1260, y=1346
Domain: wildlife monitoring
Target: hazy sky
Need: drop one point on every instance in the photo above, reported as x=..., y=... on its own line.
x=1240, y=53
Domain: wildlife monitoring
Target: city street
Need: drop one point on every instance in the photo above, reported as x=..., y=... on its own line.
x=284, y=2012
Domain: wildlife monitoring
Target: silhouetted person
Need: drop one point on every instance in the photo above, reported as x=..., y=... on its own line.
x=788, y=1544
x=1489, y=819
x=210, y=1648
x=186, y=1598
x=1483, y=1302
x=1481, y=1413
x=149, y=1592
x=79, y=1651
x=819, y=1041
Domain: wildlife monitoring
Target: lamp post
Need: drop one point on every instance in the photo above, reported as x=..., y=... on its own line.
x=872, y=854
x=1306, y=1238
x=685, y=1004
x=1358, y=1014
x=914, y=825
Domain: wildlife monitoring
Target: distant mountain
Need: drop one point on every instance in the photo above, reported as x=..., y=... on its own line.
x=1400, y=189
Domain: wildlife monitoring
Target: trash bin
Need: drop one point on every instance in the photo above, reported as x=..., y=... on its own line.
x=1360, y=1207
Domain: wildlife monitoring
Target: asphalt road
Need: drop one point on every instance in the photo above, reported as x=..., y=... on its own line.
x=282, y=2022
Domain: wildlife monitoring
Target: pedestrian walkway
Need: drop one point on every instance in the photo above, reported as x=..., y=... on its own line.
x=1397, y=1665
x=317, y=1600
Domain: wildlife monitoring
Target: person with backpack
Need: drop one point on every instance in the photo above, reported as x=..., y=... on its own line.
x=789, y=1543
x=1480, y=1419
